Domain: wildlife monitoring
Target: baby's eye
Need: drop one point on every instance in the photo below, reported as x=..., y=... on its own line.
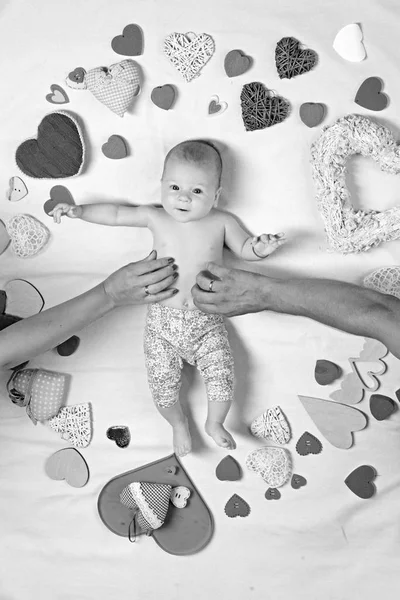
x=197, y=191
x=174, y=187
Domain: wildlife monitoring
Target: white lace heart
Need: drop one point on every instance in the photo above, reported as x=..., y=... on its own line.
x=28, y=235
x=273, y=464
x=188, y=52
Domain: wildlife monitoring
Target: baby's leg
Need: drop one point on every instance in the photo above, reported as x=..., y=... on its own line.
x=215, y=363
x=164, y=376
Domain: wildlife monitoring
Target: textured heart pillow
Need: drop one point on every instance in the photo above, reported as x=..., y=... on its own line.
x=348, y=229
x=57, y=152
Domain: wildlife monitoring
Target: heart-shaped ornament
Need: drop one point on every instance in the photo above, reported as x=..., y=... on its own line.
x=348, y=229
x=335, y=421
x=179, y=496
x=326, y=372
x=28, y=235
x=308, y=444
x=68, y=347
x=237, y=507
x=261, y=108
x=188, y=52
x=348, y=43
x=228, y=469
x=57, y=95
x=130, y=43
x=385, y=280
x=291, y=60
x=163, y=96
x=298, y=481
x=360, y=481
x=272, y=424
x=58, y=194
x=23, y=299
x=216, y=107
x=70, y=465
x=272, y=464
x=74, y=423
x=120, y=434
x=236, y=63
x=17, y=189
x=272, y=494
x=5, y=239
x=370, y=94
x=381, y=406
x=312, y=113
x=115, y=148
x=57, y=152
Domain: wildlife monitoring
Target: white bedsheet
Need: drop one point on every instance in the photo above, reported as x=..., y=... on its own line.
x=317, y=542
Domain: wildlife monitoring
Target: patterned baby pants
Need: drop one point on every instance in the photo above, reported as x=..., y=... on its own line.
x=173, y=335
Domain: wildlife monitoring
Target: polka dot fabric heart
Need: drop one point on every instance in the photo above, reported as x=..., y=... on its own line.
x=290, y=60
x=259, y=109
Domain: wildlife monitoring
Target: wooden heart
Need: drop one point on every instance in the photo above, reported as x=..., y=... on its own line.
x=188, y=52
x=348, y=43
x=228, y=469
x=57, y=95
x=130, y=43
x=308, y=444
x=23, y=299
x=17, y=189
x=326, y=372
x=58, y=150
x=290, y=60
x=236, y=63
x=335, y=421
x=312, y=113
x=370, y=94
x=260, y=109
x=115, y=147
x=163, y=96
x=381, y=406
x=237, y=507
x=348, y=229
x=216, y=106
x=180, y=496
x=58, y=193
x=298, y=481
x=360, y=481
x=68, y=464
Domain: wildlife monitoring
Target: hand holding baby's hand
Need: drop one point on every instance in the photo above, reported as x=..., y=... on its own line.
x=63, y=208
x=267, y=243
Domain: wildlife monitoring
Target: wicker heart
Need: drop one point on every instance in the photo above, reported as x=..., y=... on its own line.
x=272, y=424
x=74, y=423
x=57, y=152
x=290, y=60
x=259, y=109
x=347, y=229
x=28, y=235
x=273, y=464
x=188, y=52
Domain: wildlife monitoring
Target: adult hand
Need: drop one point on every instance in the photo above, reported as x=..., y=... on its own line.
x=234, y=292
x=142, y=282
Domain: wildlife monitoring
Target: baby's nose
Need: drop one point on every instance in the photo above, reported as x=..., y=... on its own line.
x=184, y=197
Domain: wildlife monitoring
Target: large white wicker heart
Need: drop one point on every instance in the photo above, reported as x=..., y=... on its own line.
x=188, y=52
x=347, y=229
x=273, y=464
x=28, y=235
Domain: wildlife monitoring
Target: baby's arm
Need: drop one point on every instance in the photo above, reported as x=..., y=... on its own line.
x=104, y=214
x=246, y=246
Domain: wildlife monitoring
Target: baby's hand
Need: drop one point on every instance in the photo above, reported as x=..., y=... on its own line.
x=63, y=208
x=267, y=243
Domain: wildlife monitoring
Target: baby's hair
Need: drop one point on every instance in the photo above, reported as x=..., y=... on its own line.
x=197, y=151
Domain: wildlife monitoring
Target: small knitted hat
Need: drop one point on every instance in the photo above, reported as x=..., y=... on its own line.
x=151, y=502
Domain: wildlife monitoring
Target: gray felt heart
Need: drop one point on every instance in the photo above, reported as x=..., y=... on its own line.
x=58, y=193
x=370, y=94
x=130, y=43
x=360, y=481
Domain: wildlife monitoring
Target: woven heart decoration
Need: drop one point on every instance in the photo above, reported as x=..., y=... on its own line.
x=385, y=280
x=290, y=60
x=260, y=109
x=114, y=86
x=272, y=424
x=28, y=235
x=347, y=229
x=74, y=423
x=189, y=52
x=274, y=465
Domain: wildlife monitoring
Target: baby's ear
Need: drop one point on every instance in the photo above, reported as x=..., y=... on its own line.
x=217, y=196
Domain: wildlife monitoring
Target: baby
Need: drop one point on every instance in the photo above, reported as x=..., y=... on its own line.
x=189, y=227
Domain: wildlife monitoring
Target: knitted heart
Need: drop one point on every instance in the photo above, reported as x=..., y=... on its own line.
x=308, y=444
x=114, y=86
x=74, y=423
x=17, y=190
x=28, y=235
x=348, y=43
x=272, y=464
x=120, y=434
x=272, y=424
x=290, y=60
x=272, y=494
x=347, y=229
x=260, y=109
x=58, y=194
x=188, y=52
x=58, y=150
x=360, y=481
x=236, y=507
x=385, y=280
x=68, y=464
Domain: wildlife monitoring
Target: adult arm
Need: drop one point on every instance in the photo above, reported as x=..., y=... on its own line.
x=341, y=305
x=41, y=332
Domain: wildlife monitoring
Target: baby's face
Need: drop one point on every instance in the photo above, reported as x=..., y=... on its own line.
x=188, y=190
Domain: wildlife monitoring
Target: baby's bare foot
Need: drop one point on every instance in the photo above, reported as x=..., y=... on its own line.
x=220, y=435
x=181, y=438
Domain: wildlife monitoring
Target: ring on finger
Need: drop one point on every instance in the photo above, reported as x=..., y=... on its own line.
x=146, y=291
x=210, y=285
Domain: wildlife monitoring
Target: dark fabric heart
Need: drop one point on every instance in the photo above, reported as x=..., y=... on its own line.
x=228, y=469
x=290, y=60
x=298, y=481
x=237, y=507
x=308, y=444
x=381, y=406
x=360, y=481
x=130, y=43
x=57, y=152
x=326, y=372
x=370, y=94
x=120, y=435
x=272, y=494
x=259, y=109
x=58, y=194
